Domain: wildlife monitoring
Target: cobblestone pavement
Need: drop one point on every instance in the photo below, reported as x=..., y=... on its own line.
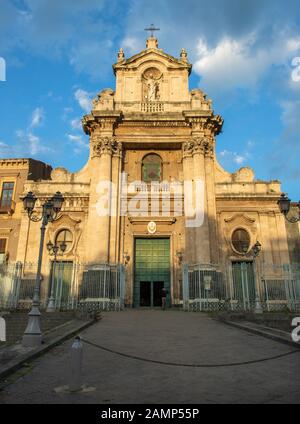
x=171, y=336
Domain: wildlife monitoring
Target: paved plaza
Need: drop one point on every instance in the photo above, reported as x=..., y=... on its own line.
x=170, y=337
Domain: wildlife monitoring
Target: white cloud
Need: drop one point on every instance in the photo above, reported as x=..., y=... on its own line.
x=78, y=142
x=20, y=134
x=4, y=149
x=283, y=159
x=229, y=157
x=77, y=139
x=240, y=63
x=57, y=29
x=133, y=45
x=84, y=99
x=33, y=142
x=37, y=117
x=76, y=124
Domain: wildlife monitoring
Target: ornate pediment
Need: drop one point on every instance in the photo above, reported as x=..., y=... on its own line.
x=152, y=54
x=241, y=218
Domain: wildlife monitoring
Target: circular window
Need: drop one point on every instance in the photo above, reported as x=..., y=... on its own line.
x=64, y=237
x=241, y=241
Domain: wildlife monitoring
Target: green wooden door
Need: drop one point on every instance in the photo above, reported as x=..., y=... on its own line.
x=152, y=271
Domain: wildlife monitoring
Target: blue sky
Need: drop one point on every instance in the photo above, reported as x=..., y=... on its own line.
x=59, y=54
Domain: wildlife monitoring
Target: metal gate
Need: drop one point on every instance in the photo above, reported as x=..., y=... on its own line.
x=75, y=286
x=243, y=280
x=204, y=288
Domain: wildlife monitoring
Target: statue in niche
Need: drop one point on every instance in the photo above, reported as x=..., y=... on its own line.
x=151, y=85
x=153, y=89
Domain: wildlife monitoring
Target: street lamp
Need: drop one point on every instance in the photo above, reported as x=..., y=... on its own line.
x=50, y=209
x=255, y=251
x=284, y=204
x=53, y=250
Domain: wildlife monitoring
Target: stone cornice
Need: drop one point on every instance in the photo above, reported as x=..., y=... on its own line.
x=146, y=220
x=14, y=162
x=155, y=123
x=203, y=121
x=103, y=120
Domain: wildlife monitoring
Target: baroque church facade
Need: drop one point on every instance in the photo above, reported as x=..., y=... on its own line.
x=151, y=141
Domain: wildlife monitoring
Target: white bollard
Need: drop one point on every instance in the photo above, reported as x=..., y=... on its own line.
x=76, y=366
x=2, y=330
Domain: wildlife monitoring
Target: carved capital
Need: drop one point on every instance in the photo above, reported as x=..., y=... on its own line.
x=188, y=149
x=198, y=145
x=105, y=145
x=88, y=124
x=215, y=124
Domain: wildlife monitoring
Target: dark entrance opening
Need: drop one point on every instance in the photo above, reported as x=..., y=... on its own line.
x=157, y=287
x=145, y=293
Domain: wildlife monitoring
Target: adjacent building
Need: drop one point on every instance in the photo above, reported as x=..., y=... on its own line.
x=13, y=175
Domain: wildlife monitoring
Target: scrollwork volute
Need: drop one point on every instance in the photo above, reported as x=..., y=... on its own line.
x=105, y=145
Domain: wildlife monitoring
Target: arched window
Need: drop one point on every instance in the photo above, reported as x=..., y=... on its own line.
x=152, y=168
x=66, y=237
x=241, y=241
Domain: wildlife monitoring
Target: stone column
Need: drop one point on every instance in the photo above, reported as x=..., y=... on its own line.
x=188, y=176
x=211, y=199
x=115, y=228
x=202, y=234
x=98, y=224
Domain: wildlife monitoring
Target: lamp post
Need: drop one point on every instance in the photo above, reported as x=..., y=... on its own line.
x=255, y=250
x=284, y=204
x=53, y=250
x=50, y=210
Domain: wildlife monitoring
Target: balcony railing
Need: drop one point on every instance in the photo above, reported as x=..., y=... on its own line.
x=8, y=208
x=152, y=107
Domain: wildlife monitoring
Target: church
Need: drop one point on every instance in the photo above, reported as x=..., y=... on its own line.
x=153, y=198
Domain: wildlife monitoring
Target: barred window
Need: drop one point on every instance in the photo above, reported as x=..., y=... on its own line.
x=241, y=240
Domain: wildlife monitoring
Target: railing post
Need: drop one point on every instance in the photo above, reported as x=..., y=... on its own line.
x=185, y=287
x=122, y=286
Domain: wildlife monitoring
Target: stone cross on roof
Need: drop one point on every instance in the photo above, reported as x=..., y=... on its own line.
x=152, y=29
